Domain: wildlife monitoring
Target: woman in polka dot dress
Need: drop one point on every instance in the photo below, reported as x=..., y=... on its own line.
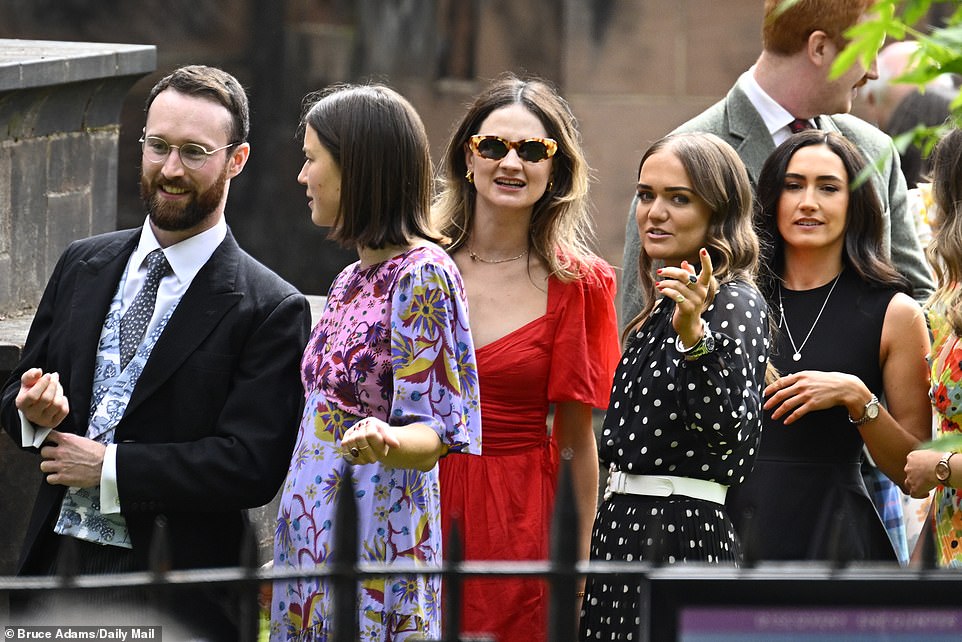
x=685, y=412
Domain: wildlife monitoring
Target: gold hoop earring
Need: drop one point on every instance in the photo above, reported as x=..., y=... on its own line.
x=469, y=175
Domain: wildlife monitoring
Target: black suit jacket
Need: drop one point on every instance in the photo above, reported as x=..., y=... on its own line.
x=211, y=423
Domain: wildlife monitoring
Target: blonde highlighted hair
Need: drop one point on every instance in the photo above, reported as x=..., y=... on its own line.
x=945, y=250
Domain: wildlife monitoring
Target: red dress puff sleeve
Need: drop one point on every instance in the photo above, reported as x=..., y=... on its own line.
x=586, y=346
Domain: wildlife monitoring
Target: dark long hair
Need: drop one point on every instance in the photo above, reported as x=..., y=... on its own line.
x=863, y=248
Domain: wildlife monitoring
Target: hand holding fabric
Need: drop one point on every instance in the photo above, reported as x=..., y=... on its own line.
x=71, y=460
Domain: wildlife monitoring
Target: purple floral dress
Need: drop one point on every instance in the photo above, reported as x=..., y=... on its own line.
x=392, y=343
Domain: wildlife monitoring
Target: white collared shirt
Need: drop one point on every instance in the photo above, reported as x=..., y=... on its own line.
x=775, y=116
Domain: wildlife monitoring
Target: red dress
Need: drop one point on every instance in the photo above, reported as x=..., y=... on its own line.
x=503, y=499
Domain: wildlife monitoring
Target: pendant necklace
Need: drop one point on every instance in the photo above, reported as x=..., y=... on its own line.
x=476, y=258
x=783, y=321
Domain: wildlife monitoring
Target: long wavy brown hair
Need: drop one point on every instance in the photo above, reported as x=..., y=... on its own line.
x=560, y=231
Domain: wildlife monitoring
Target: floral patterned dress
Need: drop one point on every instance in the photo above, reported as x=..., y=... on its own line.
x=392, y=343
x=946, y=395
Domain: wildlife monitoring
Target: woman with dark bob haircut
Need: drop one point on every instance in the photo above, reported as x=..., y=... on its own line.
x=389, y=372
x=849, y=334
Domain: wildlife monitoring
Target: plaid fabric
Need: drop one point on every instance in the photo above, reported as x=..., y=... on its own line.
x=888, y=502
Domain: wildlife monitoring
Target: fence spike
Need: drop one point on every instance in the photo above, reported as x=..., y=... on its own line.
x=835, y=550
x=69, y=560
x=749, y=536
x=247, y=592
x=343, y=561
x=928, y=545
x=159, y=554
x=453, y=556
x=564, y=557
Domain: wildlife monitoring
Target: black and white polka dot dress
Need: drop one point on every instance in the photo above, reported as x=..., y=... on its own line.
x=667, y=416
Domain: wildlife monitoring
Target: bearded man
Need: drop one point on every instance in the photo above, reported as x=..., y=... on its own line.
x=160, y=378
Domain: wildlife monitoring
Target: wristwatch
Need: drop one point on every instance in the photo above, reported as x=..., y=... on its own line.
x=702, y=347
x=943, y=472
x=871, y=412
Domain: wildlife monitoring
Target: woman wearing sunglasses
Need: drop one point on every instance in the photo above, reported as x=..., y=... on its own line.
x=685, y=414
x=514, y=205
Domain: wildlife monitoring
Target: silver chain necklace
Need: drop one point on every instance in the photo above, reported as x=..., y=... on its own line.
x=783, y=321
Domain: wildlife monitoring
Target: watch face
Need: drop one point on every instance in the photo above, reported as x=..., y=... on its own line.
x=871, y=410
x=942, y=471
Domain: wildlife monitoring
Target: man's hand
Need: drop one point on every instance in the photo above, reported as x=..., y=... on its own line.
x=70, y=460
x=41, y=398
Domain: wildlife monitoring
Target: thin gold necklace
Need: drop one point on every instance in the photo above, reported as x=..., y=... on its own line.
x=475, y=257
x=783, y=321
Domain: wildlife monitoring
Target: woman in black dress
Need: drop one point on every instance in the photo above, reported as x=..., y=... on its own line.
x=848, y=334
x=685, y=410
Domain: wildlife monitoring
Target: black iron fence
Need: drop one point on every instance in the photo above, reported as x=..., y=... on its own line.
x=678, y=602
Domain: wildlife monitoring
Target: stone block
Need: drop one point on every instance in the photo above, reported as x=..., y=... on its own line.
x=103, y=185
x=9, y=358
x=104, y=103
x=28, y=189
x=39, y=63
x=68, y=220
x=69, y=162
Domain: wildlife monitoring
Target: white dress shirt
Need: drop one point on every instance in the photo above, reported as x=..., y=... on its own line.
x=776, y=117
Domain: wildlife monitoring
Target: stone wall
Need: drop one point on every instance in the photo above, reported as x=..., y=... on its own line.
x=59, y=128
x=632, y=70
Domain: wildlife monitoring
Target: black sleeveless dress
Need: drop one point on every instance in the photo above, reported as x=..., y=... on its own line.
x=805, y=498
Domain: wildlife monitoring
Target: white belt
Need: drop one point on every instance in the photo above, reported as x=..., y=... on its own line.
x=665, y=486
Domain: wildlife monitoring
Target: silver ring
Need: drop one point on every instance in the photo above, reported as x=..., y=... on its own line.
x=355, y=453
x=362, y=447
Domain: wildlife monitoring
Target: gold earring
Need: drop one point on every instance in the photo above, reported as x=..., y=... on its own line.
x=550, y=184
x=469, y=175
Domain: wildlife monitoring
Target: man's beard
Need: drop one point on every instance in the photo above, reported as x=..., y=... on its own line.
x=174, y=217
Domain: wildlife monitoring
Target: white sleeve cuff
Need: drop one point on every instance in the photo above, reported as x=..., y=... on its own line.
x=109, y=496
x=29, y=435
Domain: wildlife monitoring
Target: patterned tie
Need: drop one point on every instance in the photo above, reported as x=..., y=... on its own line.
x=134, y=322
x=799, y=125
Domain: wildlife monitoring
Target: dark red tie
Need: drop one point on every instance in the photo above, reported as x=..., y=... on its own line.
x=799, y=125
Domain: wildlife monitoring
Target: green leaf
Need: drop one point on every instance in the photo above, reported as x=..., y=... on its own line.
x=915, y=10
x=946, y=443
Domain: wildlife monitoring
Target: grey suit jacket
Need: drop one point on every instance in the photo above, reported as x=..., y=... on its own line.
x=735, y=120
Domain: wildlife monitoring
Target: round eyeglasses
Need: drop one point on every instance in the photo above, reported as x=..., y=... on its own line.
x=192, y=155
x=532, y=150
